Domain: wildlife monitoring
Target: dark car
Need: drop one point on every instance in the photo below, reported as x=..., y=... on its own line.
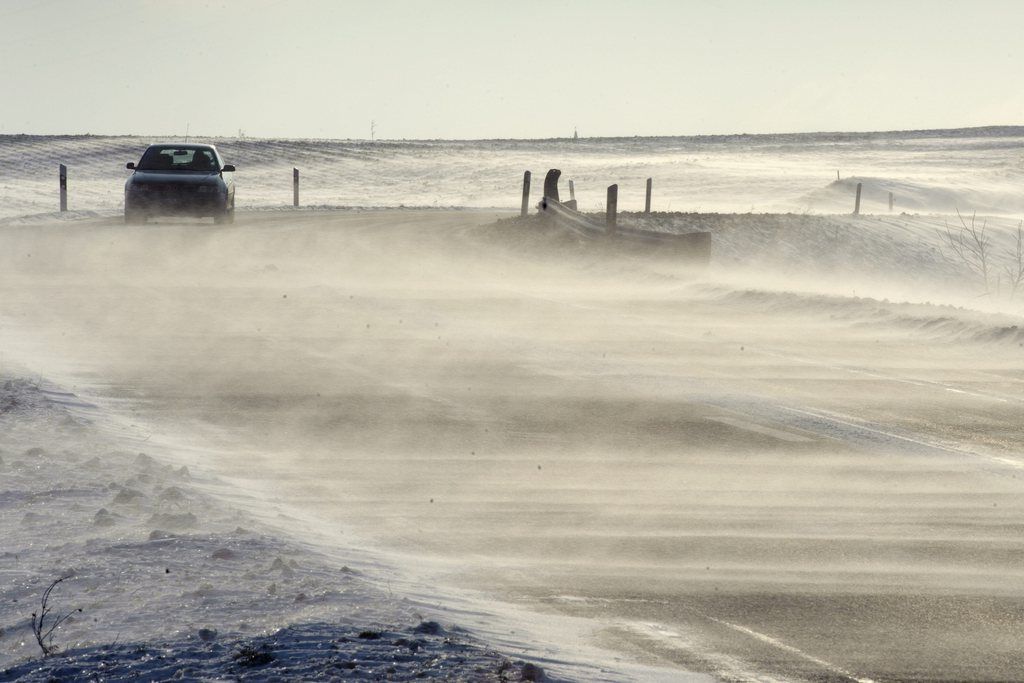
x=180, y=180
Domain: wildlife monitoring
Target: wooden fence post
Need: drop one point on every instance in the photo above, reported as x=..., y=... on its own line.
x=526, y=195
x=572, y=191
x=890, y=202
x=647, y=204
x=856, y=206
x=295, y=187
x=63, y=187
x=613, y=205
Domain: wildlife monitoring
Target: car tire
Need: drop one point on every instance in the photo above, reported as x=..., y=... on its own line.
x=227, y=215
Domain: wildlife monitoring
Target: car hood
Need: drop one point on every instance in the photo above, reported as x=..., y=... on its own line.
x=175, y=177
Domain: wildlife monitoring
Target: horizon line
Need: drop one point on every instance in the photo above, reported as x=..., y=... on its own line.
x=1008, y=128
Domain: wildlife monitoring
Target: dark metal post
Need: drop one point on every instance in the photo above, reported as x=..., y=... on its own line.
x=891, y=198
x=551, y=184
x=572, y=191
x=856, y=207
x=295, y=187
x=613, y=206
x=526, y=195
x=63, y=187
x=647, y=204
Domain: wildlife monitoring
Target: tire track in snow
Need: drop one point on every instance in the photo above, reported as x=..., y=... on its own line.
x=731, y=666
x=778, y=644
x=851, y=422
x=888, y=377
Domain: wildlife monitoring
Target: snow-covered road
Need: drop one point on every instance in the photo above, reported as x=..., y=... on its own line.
x=756, y=482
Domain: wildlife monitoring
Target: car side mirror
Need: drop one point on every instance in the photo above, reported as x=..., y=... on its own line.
x=228, y=168
x=130, y=164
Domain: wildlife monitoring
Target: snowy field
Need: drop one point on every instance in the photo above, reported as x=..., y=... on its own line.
x=397, y=443
x=973, y=170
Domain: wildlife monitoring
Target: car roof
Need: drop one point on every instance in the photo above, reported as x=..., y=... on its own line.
x=179, y=145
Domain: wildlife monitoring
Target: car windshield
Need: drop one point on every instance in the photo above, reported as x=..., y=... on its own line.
x=177, y=159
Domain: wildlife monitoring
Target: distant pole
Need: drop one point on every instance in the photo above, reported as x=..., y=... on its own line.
x=647, y=204
x=837, y=175
x=891, y=198
x=572, y=191
x=526, y=195
x=856, y=207
x=63, y=187
x=295, y=187
x=613, y=205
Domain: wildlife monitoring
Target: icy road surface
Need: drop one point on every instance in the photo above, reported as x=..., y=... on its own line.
x=758, y=484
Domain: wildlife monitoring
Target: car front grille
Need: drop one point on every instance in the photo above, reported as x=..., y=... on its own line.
x=174, y=197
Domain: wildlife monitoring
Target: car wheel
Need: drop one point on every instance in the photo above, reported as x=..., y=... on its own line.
x=227, y=215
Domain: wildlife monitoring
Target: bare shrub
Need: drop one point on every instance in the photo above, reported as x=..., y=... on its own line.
x=1014, y=269
x=44, y=631
x=970, y=246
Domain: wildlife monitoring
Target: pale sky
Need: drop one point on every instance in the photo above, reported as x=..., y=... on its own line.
x=524, y=69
